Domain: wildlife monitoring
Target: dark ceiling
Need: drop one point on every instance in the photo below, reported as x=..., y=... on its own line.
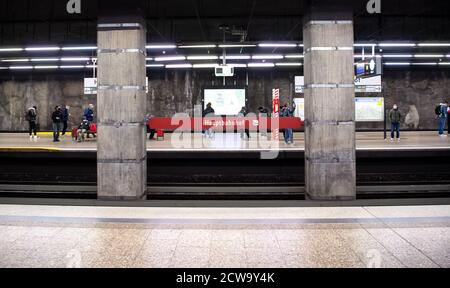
x=47, y=21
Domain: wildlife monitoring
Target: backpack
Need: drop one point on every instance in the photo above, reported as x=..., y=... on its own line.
x=437, y=110
x=29, y=115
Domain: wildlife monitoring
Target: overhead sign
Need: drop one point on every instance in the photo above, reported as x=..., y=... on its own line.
x=368, y=85
x=362, y=85
x=368, y=67
x=367, y=109
x=90, y=85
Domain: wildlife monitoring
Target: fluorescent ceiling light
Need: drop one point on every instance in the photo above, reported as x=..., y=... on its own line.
x=429, y=56
x=288, y=64
x=294, y=56
x=149, y=59
x=397, y=45
x=44, y=59
x=301, y=45
x=236, y=45
x=45, y=67
x=91, y=66
x=71, y=66
x=364, y=45
x=261, y=65
x=20, y=67
x=208, y=65
x=79, y=48
x=16, y=60
x=236, y=57
x=238, y=65
x=154, y=65
x=179, y=66
x=202, y=57
x=267, y=57
x=425, y=64
x=368, y=56
x=162, y=46
x=397, y=55
x=197, y=46
x=11, y=49
x=42, y=49
x=170, y=58
x=433, y=44
x=277, y=45
x=444, y=63
x=75, y=59
x=397, y=63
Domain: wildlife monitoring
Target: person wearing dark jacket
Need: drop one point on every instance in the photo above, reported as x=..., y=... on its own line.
x=57, y=123
x=242, y=114
x=65, y=119
x=263, y=113
x=289, y=132
x=31, y=117
x=208, y=112
x=395, y=117
x=82, y=130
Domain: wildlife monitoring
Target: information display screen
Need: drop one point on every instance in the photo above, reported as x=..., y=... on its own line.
x=225, y=101
x=367, y=109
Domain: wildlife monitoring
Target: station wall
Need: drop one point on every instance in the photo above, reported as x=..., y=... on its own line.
x=170, y=91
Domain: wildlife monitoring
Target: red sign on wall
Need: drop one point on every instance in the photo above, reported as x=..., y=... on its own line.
x=276, y=113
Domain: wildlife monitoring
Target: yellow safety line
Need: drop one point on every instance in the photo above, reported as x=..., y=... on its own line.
x=51, y=133
x=29, y=148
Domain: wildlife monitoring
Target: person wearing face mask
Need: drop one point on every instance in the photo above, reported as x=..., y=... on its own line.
x=395, y=117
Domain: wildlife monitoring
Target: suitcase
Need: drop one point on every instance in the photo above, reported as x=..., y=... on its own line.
x=93, y=128
x=160, y=135
x=74, y=134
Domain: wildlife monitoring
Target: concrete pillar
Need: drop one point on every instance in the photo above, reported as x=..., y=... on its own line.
x=121, y=105
x=329, y=105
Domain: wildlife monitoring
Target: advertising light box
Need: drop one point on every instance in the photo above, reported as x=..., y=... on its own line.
x=225, y=101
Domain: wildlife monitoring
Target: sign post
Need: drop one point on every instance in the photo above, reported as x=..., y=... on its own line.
x=276, y=113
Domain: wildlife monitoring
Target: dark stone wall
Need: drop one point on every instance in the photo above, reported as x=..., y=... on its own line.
x=171, y=91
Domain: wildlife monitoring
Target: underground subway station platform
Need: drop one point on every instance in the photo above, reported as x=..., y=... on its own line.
x=224, y=134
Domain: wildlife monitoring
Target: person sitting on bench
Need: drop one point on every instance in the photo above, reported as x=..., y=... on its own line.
x=82, y=131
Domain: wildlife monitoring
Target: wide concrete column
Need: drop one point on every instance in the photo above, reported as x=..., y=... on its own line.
x=121, y=104
x=329, y=104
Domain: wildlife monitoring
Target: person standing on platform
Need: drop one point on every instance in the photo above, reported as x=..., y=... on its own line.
x=65, y=119
x=89, y=115
x=208, y=112
x=288, y=132
x=448, y=118
x=395, y=117
x=57, y=123
x=242, y=114
x=152, y=132
x=263, y=115
x=442, y=117
x=31, y=117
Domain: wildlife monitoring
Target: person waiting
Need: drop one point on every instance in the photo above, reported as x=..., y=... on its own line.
x=263, y=115
x=82, y=131
x=57, y=123
x=395, y=117
x=442, y=117
x=288, y=132
x=208, y=112
x=242, y=114
x=89, y=115
x=65, y=118
x=149, y=129
x=31, y=117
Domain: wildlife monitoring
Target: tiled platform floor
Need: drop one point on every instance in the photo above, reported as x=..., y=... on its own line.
x=364, y=141
x=60, y=236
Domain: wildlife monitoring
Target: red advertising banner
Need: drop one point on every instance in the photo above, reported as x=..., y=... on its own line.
x=219, y=123
x=276, y=113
